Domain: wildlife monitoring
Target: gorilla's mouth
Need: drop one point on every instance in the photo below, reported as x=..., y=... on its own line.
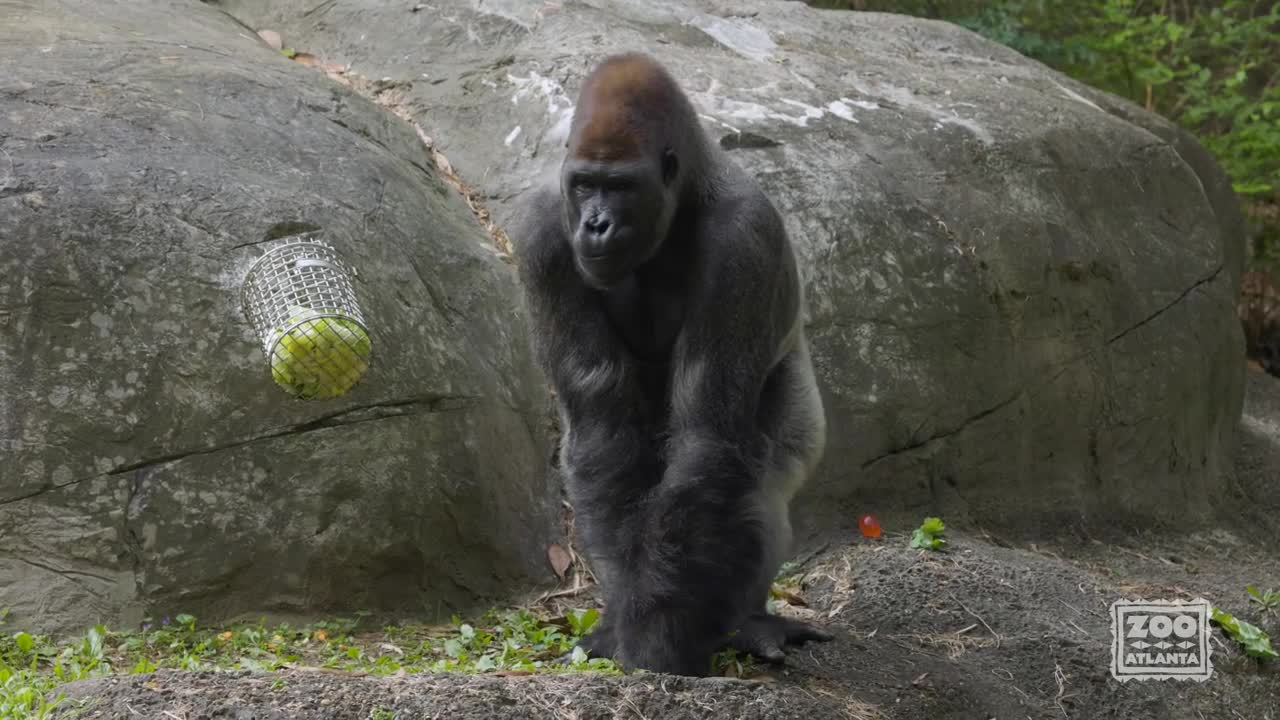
x=603, y=271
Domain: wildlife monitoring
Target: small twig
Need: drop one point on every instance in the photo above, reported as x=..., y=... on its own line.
x=1068, y=606
x=631, y=704
x=994, y=634
x=567, y=592
x=1061, y=678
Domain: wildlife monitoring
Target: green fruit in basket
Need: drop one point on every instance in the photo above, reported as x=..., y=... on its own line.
x=320, y=357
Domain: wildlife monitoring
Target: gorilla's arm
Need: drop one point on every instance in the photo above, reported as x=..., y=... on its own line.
x=574, y=343
x=608, y=451
x=703, y=533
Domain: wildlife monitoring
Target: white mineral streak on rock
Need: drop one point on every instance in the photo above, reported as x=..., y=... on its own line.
x=737, y=34
x=905, y=98
x=559, y=106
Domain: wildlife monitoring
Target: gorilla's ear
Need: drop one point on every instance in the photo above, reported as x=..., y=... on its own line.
x=670, y=165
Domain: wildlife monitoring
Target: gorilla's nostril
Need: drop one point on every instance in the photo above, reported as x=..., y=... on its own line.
x=598, y=225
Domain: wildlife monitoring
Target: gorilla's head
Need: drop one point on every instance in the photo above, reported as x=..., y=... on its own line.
x=622, y=173
x=619, y=213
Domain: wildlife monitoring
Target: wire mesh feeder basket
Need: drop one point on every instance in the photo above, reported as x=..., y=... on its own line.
x=300, y=300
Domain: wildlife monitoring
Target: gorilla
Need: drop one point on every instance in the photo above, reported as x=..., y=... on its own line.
x=666, y=309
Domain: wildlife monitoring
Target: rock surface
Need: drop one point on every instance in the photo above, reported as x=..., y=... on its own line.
x=149, y=465
x=1021, y=290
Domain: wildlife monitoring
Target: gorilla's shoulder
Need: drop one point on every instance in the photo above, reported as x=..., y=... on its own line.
x=747, y=219
x=537, y=226
x=538, y=210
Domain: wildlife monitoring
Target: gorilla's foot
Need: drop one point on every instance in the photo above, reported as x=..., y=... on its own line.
x=766, y=636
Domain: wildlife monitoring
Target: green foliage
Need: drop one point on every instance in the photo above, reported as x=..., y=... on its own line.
x=1267, y=600
x=731, y=663
x=581, y=621
x=929, y=535
x=1253, y=639
x=32, y=667
x=31, y=670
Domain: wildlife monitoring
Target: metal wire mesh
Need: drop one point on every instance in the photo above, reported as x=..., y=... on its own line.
x=301, y=302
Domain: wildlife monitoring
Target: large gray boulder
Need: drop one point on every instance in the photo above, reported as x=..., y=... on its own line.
x=1021, y=290
x=149, y=464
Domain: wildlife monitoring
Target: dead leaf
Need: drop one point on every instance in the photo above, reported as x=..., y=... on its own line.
x=272, y=38
x=307, y=59
x=560, y=560
x=512, y=673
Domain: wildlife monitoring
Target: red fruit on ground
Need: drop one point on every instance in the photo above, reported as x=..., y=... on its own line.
x=869, y=526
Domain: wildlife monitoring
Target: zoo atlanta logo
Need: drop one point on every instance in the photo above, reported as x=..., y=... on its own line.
x=1160, y=640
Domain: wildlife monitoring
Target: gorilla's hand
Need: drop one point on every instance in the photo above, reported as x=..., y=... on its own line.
x=765, y=636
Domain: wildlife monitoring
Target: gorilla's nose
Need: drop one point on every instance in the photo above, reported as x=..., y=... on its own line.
x=599, y=231
x=598, y=225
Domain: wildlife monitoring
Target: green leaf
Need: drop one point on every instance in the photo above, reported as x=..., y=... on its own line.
x=1253, y=639
x=579, y=655
x=25, y=642
x=581, y=621
x=97, y=636
x=926, y=536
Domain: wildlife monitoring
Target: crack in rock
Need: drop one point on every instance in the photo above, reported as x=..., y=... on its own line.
x=71, y=575
x=945, y=433
x=999, y=406
x=1160, y=311
x=349, y=416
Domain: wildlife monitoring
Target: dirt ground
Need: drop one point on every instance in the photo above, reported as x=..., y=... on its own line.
x=982, y=631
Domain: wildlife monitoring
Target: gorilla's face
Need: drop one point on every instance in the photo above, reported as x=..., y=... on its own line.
x=619, y=213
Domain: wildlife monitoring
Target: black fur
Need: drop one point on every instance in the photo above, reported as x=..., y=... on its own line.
x=667, y=316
